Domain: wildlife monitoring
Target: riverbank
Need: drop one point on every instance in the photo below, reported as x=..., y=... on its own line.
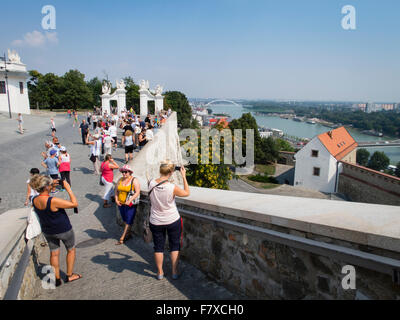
x=306, y=130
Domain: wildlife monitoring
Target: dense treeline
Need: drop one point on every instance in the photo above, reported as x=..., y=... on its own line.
x=50, y=91
x=387, y=122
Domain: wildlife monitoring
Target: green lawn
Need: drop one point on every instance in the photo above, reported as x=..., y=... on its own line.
x=259, y=185
x=267, y=169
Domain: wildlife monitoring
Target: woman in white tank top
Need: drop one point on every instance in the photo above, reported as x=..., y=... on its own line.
x=164, y=216
x=95, y=149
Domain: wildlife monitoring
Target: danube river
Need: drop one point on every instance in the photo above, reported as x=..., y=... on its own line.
x=305, y=130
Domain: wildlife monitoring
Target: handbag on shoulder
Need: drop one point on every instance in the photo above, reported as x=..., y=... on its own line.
x=131, y=194
x=33, y=229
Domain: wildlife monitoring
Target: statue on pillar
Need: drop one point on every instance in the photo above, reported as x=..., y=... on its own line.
x=106, y=89
x=144, y=85
x=121, y=84
x=159, y=90
x=14, y=57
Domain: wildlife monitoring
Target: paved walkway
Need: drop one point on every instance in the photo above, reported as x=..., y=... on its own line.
x=124, y=272
x=110, y=272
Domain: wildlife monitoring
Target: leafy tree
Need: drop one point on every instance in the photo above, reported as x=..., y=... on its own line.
x=49, y=91
x=283, y=145
x=362, y=157
x=379, y=161
x=132, y=94
x=265, y=149
x=269, y=151
x=95, y=85
x=178, y=102
x=77, y=93
x=213, y=176
x=34, y=97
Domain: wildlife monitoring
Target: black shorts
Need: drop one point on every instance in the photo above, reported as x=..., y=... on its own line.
x=55, y=176
x=115, y=139
x=173, y=230
x=129, y=149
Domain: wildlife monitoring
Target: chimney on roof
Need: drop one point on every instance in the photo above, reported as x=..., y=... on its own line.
x=330, y=134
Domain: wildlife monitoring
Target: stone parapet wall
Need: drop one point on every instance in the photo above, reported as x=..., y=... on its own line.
x=362, y=184
x=31, y=284
x=12, y=247
x=222, y=237
x=250, y=264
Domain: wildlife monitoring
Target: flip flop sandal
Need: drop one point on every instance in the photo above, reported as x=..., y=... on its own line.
x=120, y=242
x=74, y=274
x=58, y=282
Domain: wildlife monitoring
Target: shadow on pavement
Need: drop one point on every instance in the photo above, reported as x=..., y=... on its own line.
x=118, y=265
x=192, y=283
x=84, y=170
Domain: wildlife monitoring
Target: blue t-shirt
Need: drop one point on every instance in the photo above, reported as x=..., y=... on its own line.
x=51, y=165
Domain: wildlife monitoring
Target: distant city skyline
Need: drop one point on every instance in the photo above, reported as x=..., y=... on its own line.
x=254, y=50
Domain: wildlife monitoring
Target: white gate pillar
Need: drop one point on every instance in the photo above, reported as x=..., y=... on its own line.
x=144, y=98
x=159, y=104
x=105, y=104
x=121, y=100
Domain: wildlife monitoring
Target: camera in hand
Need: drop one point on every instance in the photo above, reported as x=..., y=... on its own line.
x=76, y=210
x=178, y=168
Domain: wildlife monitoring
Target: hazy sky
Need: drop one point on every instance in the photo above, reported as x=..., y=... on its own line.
x=218, y=48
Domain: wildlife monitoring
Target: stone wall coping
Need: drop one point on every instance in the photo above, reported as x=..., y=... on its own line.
x=378, y=173
x=368, y=224
x=12, y=225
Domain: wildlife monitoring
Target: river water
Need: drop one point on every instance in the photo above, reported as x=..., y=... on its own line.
x=305, y=130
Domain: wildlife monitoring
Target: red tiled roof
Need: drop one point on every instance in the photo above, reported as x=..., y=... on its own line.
x=338, y=142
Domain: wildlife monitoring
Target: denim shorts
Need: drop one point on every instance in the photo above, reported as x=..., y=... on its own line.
x=68, y=238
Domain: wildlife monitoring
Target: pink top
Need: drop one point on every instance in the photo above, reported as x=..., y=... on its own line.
x=106, y=172
x=65, y=164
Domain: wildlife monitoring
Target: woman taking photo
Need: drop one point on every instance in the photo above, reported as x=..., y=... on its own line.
x=95, y=151
x=164, y=216
x=107, y=177
x=55, y=223
x=126, y=185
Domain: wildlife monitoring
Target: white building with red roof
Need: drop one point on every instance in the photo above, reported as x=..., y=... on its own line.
x=318, y=163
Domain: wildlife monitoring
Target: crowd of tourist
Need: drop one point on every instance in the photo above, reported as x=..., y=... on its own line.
x=103, y=140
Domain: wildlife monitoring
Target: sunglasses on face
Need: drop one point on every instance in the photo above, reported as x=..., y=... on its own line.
x=124, y=171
